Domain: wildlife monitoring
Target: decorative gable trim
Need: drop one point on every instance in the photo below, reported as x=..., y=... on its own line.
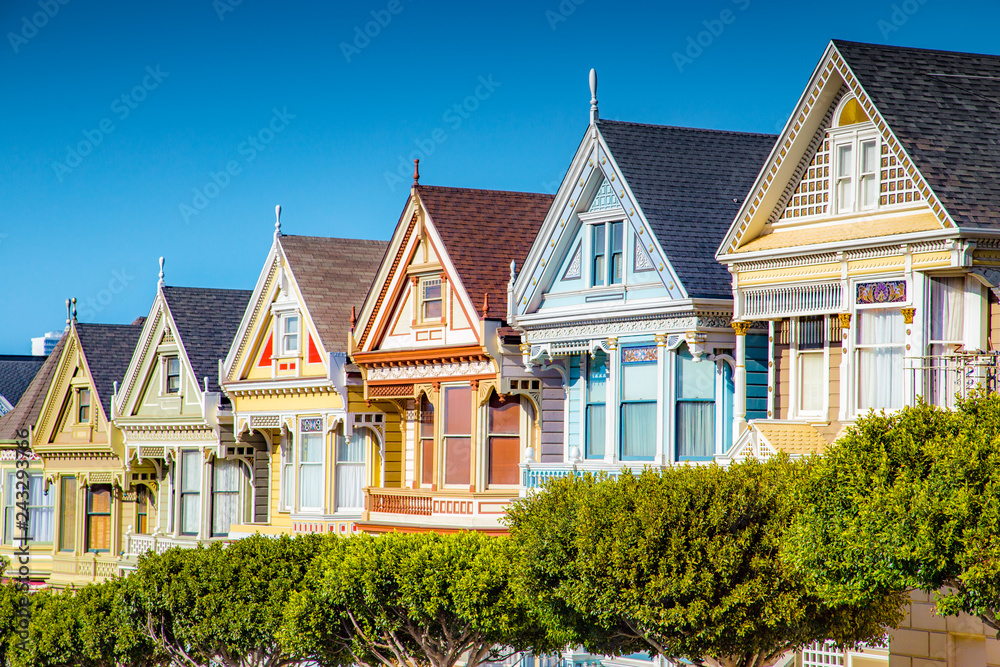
x=125, y=399
x=832, y=62
x=593, y=160
x=396, y=261
x=252, y=318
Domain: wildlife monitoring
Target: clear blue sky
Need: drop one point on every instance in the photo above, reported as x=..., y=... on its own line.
x=93, y=226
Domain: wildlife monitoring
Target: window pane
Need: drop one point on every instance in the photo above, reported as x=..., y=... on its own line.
x=811, y=385
x=67, y=514
x=350, y=482
x=458, y=410
x=191, y=471
x=638, y=430
x=812, y=332
x=599, y=250
x=352, y=450
x=695, y=428
x=225, y=497
x=100, y=499
x=226, y=475
x=617, y=257
x=457, y=460
x=99, y=518
x=505, y=417
x=729, y=392
x=504, y=457
x=287, y=481
x=427, y=462
x=598, y=378
x=291, y=325
x=947, y=306
x=868, y=191
x=311, y=485
x=845, y=161
x=190, y=511
x=880, y=365
x=432, y=289
x=432, y=310
x=695, y=379
x=639, y=381
x=868, y=158
x=312, y=448
x=880, y=326
x=426, y=418
x=595, y=431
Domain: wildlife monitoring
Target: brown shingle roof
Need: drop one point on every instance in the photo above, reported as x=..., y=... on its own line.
x=26, y=412
x=483, y=231
x=333, y=275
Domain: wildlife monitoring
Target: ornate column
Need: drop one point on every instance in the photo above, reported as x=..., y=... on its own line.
x=740, y=397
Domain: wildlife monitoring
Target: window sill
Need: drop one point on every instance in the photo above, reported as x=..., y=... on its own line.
x=428, y=324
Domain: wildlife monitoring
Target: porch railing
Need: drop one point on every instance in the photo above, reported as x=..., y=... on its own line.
x=940, y=379
x=137, y=544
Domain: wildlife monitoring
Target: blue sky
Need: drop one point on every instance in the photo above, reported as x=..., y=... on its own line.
x=132, y=130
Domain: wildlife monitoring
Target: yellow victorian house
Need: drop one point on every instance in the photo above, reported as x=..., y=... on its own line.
x=174, y=418
x=289, y=379
x=83, y=454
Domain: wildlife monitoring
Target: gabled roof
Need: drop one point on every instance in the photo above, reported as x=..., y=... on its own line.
x=16, y=373
x=689, y=183
x=483, y=231
x=108, y=350
x=333, y=275
x=25, y=413
x=944, y=107
x=207, y=320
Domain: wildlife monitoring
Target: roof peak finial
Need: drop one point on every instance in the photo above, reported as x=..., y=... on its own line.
x=354, y=318
x=593, y=95
x=69, y=313
x=73, y=312
x=486, y=305
x=416, y=171
x=277, y=221
x=160, y=283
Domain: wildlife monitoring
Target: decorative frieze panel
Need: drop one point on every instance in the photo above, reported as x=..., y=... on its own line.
x=612, y=328
x=772, y=302
x=457, y=369
x=390, y=390
x=265, y=421
x=638, y=355
x=883, y=291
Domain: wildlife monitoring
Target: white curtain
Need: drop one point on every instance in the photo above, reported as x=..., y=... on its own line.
x=350, y=476
x=42, y=513
x=638, y=410
x=190, y=491
x=311, y=471
x=695, y=428
x=880, y=359
x=226, y=478
x=947, y=305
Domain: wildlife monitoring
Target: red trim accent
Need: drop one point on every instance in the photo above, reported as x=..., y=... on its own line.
x=314, y=357
x=265, y=358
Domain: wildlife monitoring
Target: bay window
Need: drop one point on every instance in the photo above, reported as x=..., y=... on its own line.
x=695, y=407
x=351, y=470
x=426, y=441
x=226, y=482
x=457, y=434
x=597, y=380
x=504, y=440
x=190, y=492
x=99, y=518
x=879, y=358
x=310, y=477
x=639, y=382
x=28, y=491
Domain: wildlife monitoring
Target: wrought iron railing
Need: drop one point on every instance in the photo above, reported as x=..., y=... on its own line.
x=941, y=379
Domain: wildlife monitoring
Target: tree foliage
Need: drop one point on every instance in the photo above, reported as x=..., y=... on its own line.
x=909, y=501
x=221, y=605
x=413, y=600
x=84, y=628
x=685, y=563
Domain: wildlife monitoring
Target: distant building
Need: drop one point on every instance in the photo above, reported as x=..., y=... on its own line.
x=41, y=346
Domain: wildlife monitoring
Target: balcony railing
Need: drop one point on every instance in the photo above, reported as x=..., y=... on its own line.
x=942, y=378
x=137, y=544
x=447, y=507
x=535, y=475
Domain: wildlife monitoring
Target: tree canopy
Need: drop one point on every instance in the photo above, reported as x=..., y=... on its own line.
x=685, y=562
x=909, y=501
x=221, y=605
x=413, y=600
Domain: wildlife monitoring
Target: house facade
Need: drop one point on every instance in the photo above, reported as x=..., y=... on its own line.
x=189, y=478
x=869, y=247
x=622, y=296
x=436, y=353
x=296, y=398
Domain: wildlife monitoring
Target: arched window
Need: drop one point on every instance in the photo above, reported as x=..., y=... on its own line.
x=851, y=113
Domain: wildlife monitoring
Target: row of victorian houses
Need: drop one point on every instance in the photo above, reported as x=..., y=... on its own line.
x=687, y=295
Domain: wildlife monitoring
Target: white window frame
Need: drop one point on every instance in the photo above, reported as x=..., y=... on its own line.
x=180, y=493
x=853, y=136
x=299, y=466
x=241, y=495
x=282, y=338
x=165, y=363
x=444, y=437
x=423, y=282
x=367, y=436
x=720, y=400
x=854, y=395
x=286, y=488
x=795, y=357
x=589, y=220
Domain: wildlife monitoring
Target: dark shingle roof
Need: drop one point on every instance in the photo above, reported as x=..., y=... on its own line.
x=207, y=320
x=108, y=349
x=690, y=184
x=16, y=373
x=25, y=413
x=483, y=231
x=333, y=275
x=945, y=109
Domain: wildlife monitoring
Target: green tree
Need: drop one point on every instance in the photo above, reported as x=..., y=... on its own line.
x=221, y=606
x=413, y=600
x=685, y=563
x=84, y=628
x=10, y=605
x=909, y=501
